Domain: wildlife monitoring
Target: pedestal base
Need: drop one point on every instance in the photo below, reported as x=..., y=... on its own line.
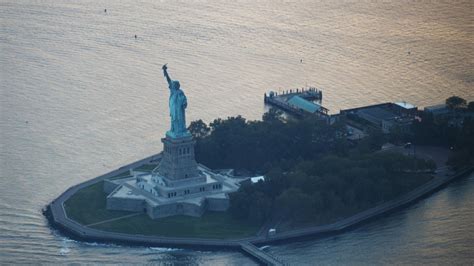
x=178, y=161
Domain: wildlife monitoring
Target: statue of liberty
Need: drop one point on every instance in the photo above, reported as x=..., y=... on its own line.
x=177, y=104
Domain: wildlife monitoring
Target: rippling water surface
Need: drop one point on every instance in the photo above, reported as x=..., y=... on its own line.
x=81, y=96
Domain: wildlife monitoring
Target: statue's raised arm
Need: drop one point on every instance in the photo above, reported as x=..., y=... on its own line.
x=165, y=72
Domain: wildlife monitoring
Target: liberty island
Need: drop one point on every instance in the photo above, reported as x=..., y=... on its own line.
x=151, y=201
x=169, y=199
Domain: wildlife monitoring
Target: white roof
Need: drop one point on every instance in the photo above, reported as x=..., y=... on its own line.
x=405, y=105
x=257, y=178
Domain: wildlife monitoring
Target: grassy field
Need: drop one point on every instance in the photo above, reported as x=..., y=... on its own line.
x=88, y=206
x=211, y=225
x=146, y=167
x=120, y=175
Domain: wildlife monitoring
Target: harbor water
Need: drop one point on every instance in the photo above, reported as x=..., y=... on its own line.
x=81, y=96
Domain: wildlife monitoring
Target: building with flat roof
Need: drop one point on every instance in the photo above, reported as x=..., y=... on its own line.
x=438, y=110
x=304, y=105
x=383, y=116
x=298, y=102
x=442, y=112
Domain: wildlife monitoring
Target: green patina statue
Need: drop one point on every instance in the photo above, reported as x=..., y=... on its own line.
x=177, y=104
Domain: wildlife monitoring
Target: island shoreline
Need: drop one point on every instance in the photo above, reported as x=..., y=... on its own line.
x=57, y=218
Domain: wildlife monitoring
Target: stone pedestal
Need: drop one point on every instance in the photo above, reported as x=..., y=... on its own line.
x=178, y=163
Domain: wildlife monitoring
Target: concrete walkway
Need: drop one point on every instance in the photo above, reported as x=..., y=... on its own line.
x=114, y=219
x=58, y=218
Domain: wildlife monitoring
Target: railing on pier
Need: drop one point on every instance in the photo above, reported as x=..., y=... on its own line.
x=309, y=93
x=280, y=100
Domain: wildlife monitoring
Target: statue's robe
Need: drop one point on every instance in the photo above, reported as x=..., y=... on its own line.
x=177, y=104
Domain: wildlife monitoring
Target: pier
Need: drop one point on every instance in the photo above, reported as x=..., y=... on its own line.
x=260, y=255
x=299, y=102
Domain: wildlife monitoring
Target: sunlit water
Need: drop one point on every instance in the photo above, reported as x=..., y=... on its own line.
x=81, y=96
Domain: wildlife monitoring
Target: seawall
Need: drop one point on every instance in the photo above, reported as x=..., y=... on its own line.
x=57, y=217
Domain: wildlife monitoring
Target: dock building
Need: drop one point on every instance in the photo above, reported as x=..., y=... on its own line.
x=455, y=117
x=385, y=116
x=299, y=102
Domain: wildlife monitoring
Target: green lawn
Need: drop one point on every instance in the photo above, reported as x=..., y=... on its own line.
x=120, y=175
x=88, y=206
x=146, y=167
x=211, y=225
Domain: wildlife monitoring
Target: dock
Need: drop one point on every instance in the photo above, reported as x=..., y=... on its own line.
x=299, y=102
x=260, y=255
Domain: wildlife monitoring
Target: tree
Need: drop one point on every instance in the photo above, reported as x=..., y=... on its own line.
x=272, y=116
x=470, y=106
x=295, y=204
x=373, y=142
x=455, y=102
x=260, y=208
x=459, y=159
x=199, y=129
x=239, y=204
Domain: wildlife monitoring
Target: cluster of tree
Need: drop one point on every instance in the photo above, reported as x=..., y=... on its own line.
x=454, y=130
x=327, y=188
x=312, y=171
x=310, y=168
x=259, y=145
x=456, y=102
